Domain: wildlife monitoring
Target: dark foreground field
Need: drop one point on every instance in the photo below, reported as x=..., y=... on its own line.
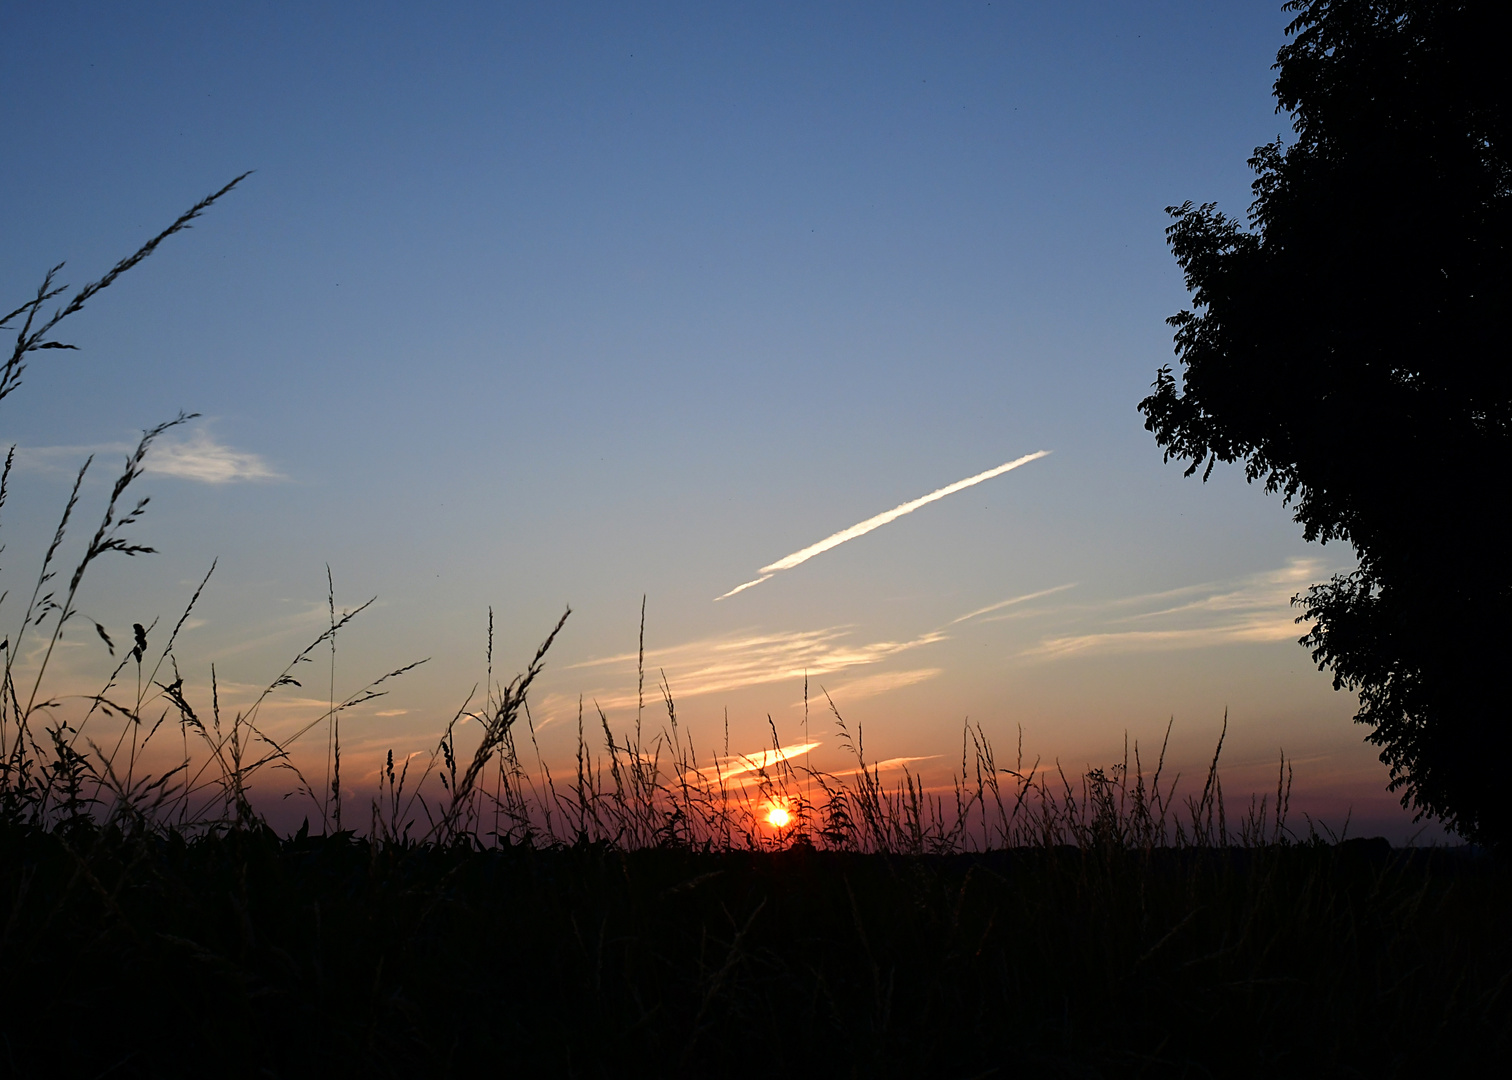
x=243, y=954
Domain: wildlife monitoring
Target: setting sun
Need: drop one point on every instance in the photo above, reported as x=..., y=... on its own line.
x=778, y=818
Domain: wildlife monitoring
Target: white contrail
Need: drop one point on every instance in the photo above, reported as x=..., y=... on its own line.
x=743, y=588
x=877, y=522
x=1010, y=603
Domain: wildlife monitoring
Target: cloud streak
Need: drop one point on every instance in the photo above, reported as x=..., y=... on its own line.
x=883, y=682
x=1010, y=602
x=739, y=764
x=1256, y=609
x=864, y=527
x=732, y=662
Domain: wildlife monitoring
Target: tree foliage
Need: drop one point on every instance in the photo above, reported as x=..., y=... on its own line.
x=1349, y=345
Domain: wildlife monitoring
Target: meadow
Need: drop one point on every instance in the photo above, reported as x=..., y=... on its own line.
x=644, y=917
x=654, y=912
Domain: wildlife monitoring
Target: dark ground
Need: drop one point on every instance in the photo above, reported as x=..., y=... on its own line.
x=250, y=955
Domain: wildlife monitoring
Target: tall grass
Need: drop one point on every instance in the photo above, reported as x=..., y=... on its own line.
x=663, y=909
x=111, y=759
x=62, y=762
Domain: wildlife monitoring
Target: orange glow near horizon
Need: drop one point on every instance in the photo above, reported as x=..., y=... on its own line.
x=778, y=817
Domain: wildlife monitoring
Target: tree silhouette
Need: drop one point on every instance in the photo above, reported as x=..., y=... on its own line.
x=1350, y=347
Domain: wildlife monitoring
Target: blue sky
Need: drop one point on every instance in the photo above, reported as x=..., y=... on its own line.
x=537, y=305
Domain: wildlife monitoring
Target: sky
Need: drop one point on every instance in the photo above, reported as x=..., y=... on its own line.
x=535, y=306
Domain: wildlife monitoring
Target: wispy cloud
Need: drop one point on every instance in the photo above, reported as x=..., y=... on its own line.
x=731, y=662
x=197, y=456
x=787, y=562
x=200, y=457
x=303, y=618
x=1256, y=608
x=1011, y=602
x=883, y=682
